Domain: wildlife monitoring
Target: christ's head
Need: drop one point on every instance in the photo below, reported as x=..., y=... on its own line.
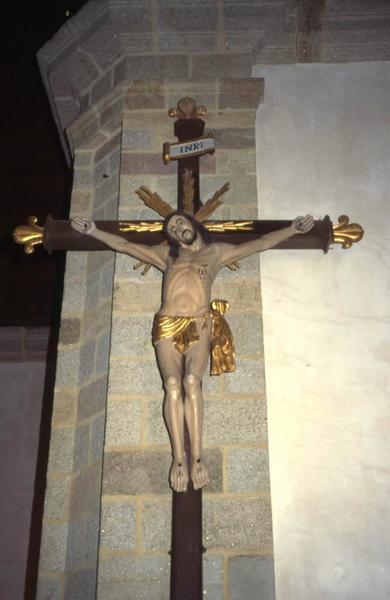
x=182, y=229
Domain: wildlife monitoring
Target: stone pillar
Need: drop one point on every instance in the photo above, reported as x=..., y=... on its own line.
x=110, y=75
x=136, y=500
x=72, y=504
x=108, y=392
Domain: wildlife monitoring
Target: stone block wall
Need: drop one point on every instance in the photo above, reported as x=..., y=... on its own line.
x=72, y=504
x=118, y=147
x=109, y=41
x=88, y=69
x=136, y=500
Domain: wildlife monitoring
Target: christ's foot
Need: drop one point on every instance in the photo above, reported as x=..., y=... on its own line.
x=199, y=474
x=178, y=475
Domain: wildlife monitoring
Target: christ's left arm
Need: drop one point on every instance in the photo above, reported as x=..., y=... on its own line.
x=231, y=253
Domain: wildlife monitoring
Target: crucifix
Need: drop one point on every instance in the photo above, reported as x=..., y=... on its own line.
x=189, y=249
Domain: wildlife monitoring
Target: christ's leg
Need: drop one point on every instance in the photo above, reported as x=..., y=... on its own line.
x=171, y=363
x=196, y=360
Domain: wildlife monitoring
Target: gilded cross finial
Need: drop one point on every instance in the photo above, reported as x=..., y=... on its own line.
x=29, y=235
x=346, y=233
x=187, y=109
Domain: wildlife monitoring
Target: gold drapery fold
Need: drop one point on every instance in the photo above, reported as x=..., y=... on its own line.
x=222, y=341
x=181, y=329
x=183, y=332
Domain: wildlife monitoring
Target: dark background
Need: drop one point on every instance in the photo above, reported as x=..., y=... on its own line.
x=33, y=174
x=34, y=181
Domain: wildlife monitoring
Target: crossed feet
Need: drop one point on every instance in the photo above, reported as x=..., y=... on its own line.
x=178, y=475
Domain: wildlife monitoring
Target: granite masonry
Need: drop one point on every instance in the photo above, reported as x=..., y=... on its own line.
x=108, y=405
x=111, y=74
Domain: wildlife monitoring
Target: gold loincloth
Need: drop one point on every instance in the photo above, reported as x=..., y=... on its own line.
x=184, y=333
x=181, y=329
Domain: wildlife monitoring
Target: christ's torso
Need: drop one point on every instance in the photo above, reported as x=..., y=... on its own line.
x=187, y=282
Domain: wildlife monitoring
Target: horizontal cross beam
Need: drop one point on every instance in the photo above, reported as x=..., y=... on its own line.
x=59, y=235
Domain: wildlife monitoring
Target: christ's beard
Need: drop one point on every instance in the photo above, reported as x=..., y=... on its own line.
x=188, y=236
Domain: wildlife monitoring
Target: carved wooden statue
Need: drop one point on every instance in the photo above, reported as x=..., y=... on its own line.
x=188, y=324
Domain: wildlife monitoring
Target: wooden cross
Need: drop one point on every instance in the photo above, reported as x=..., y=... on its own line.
x=187, y=548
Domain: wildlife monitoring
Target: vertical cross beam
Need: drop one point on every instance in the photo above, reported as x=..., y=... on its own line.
x=187, y=548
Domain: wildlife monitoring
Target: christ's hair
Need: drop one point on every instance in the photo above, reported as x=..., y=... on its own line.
x=199, y=228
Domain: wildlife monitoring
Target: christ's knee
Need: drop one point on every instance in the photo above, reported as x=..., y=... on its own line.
x=191, y=386
x=172, y=389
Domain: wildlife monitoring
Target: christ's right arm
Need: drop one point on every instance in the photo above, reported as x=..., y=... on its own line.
x=156, y=255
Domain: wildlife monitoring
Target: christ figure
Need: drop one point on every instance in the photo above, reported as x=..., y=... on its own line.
x=182, y=331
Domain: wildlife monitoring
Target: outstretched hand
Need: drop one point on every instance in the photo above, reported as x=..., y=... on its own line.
x=303, y=224
x=82, y=225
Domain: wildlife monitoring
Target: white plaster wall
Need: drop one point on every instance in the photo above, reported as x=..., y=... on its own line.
x=21, y=395
x=323, y=143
